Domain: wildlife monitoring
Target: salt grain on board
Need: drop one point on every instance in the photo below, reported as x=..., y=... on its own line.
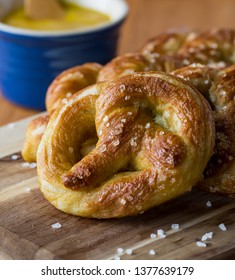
x=208, y=204
x=152, y=252
x=207, y=236
x=175, y=226
x=129, y=251
x=120, y=250
x=201, y=244
x=222, y=227
x=14, y=157
x=161, y=233
x=56, y=226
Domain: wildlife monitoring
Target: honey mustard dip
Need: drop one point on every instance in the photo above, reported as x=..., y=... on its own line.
x=75, y=17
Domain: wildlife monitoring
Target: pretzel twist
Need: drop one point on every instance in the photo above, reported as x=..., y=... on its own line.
x=153, y=145
x=218, y=88
x=60, y=90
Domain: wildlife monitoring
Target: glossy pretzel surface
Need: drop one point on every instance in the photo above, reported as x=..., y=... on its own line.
x=60, y=90
x=152, y=146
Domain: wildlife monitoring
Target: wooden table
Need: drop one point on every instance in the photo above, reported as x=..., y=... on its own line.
x=147, y=18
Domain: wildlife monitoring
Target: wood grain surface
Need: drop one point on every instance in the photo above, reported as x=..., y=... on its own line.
x=146, y=19
x=26, y=220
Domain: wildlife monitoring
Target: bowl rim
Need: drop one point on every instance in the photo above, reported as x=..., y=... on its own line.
x=85, y=31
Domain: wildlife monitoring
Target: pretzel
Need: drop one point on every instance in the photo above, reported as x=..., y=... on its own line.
x=64, y=86
x=218, y=88
x=155, y=137
x=214, y=48
x=174, y=49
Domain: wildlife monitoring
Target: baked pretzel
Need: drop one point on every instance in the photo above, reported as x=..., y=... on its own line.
x=60, y=90
x=214, y=48
x=168, y=42
x=155, y=136
x=218, y=88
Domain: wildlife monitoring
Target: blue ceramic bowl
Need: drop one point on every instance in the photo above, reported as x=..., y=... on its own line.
x=30, y=60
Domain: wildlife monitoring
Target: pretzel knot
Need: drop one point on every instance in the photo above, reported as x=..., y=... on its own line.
x=155, y=136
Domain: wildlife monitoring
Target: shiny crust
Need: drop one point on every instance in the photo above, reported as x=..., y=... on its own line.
x=34, y=132
x=218, y=88
x=60, y=90
x=69, y=82
x=155, y=137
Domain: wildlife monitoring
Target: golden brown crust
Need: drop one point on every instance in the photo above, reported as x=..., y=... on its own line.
x=61, y=89
x=34, y=132
x=155, y=137
x=69, y=82
x=218, y=88
x=168, y=43
x=214, y=48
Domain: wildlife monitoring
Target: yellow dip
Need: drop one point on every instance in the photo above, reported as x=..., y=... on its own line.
x=75, y=17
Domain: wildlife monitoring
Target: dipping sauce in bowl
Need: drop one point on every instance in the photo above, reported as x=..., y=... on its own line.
x=75, y=17
x=32, y=57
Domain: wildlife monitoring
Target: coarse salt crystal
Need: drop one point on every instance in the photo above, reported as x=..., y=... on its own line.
x=106, y=118
x=129, y=251
x=69, y=94
x=207, y=236
x=25, y=164
x=230, y=157
x=122, y=88
x=123, y=120
x=130, y=197
x=175, y=226
x=33, y=165
x=152, y=252
x=161, y=233
x=129, y=113
x=123, y=201
x=153, y=235
x=14, y=157
x=133, y=142
x=120, y=250
x=201, y=244
x=116, y=143
x=222, y=227
x=56, y=225
x=27, y=189
x=127, y=97
x=147, y=125
x=103, y=148
x=107, y=124
x=64, y=101
x=208, y=204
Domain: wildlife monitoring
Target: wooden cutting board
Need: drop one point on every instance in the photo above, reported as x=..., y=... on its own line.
x=26, y=220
